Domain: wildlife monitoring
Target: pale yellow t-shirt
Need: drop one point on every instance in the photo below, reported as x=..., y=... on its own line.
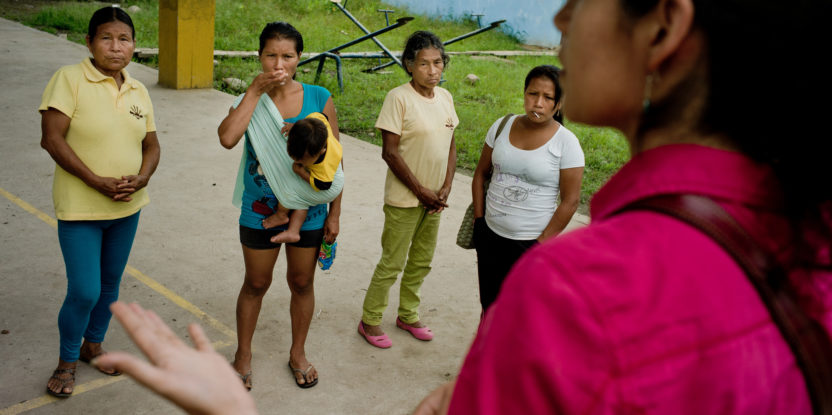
x=106, y=132
x=426, y=126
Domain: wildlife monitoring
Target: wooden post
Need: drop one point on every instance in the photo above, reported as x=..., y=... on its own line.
x=186, y=43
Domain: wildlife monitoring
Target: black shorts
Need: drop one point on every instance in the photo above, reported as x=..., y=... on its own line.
x=261, y=238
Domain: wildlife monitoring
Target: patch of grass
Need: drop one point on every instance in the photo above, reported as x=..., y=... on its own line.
x=238, y=25
x=605, y=150
x=73, y=18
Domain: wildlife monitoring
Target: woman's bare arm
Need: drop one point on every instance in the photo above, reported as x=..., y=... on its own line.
x=54, y=125
x=570, y=197
x=234, y=125
x=477, y=189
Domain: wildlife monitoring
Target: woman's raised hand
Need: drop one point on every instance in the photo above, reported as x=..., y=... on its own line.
x=199, y=380
x=268, y=80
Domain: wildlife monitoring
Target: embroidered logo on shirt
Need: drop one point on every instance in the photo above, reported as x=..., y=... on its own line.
x=449, y=123
x=136, y=112
x=516, y=193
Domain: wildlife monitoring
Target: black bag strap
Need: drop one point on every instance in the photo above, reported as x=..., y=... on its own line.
x=807, y=339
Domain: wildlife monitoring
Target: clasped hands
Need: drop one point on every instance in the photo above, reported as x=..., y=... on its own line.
x=434, y=202
x=119, y=190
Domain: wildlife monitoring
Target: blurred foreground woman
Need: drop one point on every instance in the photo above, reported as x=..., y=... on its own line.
x=641, y=312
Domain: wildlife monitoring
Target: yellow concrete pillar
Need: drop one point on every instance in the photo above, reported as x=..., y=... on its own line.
x=186, y=43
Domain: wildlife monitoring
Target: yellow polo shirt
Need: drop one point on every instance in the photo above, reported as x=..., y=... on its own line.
x=106, y=132
x=426, y=126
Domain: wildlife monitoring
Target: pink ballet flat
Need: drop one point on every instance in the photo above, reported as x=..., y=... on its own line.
x=421, y=333
x=382, y=342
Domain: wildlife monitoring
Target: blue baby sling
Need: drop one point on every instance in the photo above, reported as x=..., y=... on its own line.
x=269, y=144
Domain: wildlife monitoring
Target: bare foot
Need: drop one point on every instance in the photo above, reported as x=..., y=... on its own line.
x=242, y=365
x=286, y=237
x=62, y=382
x=301, y=363
x=417, y=324
x=275, y=219
x=373, y=330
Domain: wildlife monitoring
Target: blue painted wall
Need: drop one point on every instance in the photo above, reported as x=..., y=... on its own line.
x=530, y=18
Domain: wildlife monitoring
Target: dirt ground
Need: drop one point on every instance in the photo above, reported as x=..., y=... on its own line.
x=186, y=264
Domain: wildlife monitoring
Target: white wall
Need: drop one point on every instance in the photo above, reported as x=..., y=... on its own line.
x=532, y=18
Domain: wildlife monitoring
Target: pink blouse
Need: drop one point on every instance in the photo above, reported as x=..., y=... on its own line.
x=640, y=313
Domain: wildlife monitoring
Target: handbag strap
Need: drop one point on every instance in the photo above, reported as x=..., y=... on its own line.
x=807, y=339
x=501, y=126
x=497, y=135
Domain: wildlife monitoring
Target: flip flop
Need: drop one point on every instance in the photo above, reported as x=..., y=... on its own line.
x=382, y=342
x=247, y=382
x=64, y=382
x=90, y=359
x=306, y=383
x=421, y=333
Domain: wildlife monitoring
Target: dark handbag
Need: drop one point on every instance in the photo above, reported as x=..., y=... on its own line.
x=465, y=235
x=807, y=339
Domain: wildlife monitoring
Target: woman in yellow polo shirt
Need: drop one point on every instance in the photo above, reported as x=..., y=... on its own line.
x=97, y=125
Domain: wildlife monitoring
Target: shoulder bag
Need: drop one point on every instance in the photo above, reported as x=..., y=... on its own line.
x=465, y=235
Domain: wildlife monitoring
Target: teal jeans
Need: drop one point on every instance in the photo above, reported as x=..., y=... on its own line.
x=407, y=243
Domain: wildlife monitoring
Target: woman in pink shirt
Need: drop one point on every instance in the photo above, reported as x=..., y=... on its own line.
x=640, y=312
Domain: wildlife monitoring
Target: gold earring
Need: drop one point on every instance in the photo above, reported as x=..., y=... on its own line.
x=648, y=91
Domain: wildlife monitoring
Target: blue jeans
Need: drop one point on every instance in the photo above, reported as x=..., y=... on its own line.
x=95, y=253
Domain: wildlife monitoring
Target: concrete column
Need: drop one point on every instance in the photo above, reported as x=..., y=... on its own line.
x=186, y=43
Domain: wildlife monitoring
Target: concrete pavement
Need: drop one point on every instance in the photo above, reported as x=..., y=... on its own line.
x=186, y=263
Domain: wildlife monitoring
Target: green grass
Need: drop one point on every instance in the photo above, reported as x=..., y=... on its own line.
x=238, y=25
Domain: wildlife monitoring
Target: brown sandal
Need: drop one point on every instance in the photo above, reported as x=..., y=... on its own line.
x=56, y=375
x=247, y=383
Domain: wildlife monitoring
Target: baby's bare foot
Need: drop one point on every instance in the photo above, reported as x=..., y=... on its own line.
x=286, y=237
x=276, y=219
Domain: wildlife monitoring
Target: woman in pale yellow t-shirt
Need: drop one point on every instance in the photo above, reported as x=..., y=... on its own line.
x=417, y=123
x=97, y=125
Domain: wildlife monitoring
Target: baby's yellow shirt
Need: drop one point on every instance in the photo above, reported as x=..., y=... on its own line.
x=326, y=169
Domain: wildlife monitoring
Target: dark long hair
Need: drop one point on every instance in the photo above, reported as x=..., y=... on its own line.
x=281, y=30
x=551, y=72
x=107, y=15
x=422, y=39
x=774, y=114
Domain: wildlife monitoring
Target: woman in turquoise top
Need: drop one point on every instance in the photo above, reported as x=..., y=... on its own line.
x=280, y=49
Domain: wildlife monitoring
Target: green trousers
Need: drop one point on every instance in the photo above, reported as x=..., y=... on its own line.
x=407, y=243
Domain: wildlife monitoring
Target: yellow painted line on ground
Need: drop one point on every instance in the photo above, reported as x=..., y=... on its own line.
x=181, y=302
x=79, y=389
x=29, y=208
x=144, y=279
x=150, y=282
x=47, y=399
